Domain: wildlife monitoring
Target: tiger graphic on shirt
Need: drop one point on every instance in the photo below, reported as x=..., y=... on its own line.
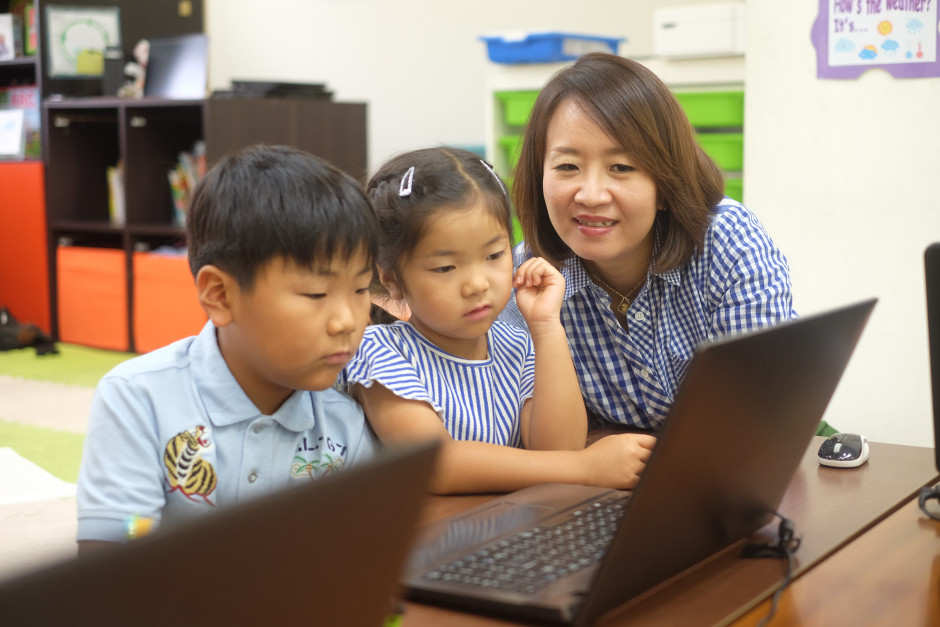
x=186, y=470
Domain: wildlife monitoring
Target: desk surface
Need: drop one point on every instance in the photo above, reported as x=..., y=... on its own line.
x=830, y=507
x=888, y=576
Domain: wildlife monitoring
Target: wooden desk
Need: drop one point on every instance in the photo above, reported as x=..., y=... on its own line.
x=830, y=507
x=888, y=576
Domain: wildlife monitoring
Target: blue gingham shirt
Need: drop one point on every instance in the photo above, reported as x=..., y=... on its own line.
x=738, y=282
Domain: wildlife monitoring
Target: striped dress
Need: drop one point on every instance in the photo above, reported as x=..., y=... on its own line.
x=476, y=400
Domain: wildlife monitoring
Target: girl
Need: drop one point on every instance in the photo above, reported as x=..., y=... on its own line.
x=505, y=404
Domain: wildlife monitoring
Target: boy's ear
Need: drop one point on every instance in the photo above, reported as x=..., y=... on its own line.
x=391, y=284
x=215, y=289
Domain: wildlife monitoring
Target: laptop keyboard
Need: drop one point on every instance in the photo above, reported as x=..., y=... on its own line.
x=536, y=557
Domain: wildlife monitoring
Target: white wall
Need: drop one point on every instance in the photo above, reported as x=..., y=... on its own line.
x=844, y=175
x=842, y=172
x=418, y=63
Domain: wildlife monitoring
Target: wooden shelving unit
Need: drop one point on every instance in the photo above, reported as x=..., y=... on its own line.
x=84, y=134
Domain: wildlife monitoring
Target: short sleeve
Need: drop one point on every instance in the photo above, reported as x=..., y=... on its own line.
x=383, y=360
x=121, y=475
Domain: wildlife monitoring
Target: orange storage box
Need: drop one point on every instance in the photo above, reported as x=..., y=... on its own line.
x=92, y=297
x=166, y=307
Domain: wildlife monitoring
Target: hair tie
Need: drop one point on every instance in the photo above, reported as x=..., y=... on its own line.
x=495, y=176
x=404, y=188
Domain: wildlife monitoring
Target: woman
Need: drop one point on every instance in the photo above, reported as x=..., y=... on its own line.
x=613, y=188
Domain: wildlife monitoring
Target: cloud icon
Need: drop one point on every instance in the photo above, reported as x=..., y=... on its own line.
x=914, y=25
x=890, y=45
x=868, y=53
x=844, y=45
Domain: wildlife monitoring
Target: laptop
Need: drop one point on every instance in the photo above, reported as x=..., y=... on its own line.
x=329, y=552
x=178, y=67
x=932, y=279
x=740, y=424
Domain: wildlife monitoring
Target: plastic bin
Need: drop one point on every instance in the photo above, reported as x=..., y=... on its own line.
x=166, y=306
x=546, y=47
x=517, y=105
x=713, y=109
x=734, y=187
x=511, y=145
x=92, y=297
x=727, y=149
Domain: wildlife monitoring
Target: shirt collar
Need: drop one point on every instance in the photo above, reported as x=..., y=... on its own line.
x=225, y=401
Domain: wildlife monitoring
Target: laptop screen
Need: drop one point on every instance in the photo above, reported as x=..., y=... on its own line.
x=177, y=67
x=932, y=276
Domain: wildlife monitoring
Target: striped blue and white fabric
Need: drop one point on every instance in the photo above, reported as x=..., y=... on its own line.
x=739, y=282
x=476, y=400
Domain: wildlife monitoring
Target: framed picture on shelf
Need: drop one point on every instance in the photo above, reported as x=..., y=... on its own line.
x=78, y=37
x=12, y=134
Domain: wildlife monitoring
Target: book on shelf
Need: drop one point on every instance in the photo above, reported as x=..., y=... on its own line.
x=189, y=170
x=12, y=134
x=26, y=99
x=116, y=194
x=11, y=36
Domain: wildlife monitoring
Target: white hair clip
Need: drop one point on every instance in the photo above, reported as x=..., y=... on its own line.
x=495, y=176
x=404, y=189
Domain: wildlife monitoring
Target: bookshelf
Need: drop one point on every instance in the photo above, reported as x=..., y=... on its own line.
x=64, y=264
x=86, y=136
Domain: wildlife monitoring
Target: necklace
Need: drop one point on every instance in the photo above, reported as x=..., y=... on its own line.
x=624, y=300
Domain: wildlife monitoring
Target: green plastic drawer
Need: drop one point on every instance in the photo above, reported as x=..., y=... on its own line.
x=516, y=105
x=727, y=149
x=511, y=145
x=713, y=109
x=734, y=187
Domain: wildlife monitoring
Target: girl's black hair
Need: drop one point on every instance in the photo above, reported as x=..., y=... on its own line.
x=443, y=179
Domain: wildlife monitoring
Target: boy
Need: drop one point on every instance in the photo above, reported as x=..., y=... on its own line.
x=281, y=245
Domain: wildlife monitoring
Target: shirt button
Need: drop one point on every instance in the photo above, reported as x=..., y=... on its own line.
x=259, y=428
x=645, y=374
x=639, y=316
x=252, y=476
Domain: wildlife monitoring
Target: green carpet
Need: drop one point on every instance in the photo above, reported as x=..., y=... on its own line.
x=59, y=452
x=76, y=365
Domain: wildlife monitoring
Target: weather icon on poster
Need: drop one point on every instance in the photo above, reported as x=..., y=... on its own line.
x=868, y=53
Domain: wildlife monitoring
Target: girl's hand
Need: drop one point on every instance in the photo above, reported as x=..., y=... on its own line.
x=539, y=292
x=617, y=461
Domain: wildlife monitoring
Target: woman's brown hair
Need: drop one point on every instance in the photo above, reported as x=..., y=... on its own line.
x=639, y=112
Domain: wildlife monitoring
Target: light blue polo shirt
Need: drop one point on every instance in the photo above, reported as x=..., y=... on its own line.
x=171, y=434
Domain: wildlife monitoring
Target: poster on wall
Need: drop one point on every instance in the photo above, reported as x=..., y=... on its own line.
x=898, y=36
x=78, y=37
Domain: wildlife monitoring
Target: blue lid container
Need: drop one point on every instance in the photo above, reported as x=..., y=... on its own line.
x=547, y=47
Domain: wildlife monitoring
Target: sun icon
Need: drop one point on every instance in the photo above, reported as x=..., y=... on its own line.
x=885, y=27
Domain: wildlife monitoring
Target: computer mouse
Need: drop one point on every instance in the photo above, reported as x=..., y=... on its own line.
x=843, y=450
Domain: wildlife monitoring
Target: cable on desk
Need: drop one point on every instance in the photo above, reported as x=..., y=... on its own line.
x=786, y=545
x=927, y=493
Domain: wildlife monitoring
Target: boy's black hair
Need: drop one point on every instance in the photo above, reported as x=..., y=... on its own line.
x=268, y=201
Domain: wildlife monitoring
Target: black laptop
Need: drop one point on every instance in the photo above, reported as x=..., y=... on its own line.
x=932, y=279
x=329, y=552
x=740, y=424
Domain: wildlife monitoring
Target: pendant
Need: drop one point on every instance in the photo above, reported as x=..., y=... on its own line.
x=624, y=305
